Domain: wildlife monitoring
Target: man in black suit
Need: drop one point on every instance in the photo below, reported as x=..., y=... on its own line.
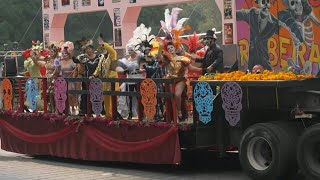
x=213, y=59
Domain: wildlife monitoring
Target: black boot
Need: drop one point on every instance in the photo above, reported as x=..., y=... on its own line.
x=130, y=116
x=118, y=116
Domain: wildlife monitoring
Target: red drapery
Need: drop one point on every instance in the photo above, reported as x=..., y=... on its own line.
x=45, y=138
x=92, y=141
x=115, y=145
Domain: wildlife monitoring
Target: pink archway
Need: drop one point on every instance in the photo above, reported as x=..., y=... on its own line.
x=124, y=15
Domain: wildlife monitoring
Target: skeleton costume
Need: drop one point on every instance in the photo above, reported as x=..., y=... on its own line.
x=263, y=25
x=88, y=65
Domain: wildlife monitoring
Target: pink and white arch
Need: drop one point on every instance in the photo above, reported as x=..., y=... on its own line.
x=55, y=15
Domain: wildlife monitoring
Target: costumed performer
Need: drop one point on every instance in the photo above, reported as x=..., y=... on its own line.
x=36, y=58
x=53, y=67
x=67, y=69
x=89, y=61
x=133, y=71
x=213, y=58
x=103, y=70
x=176, y=69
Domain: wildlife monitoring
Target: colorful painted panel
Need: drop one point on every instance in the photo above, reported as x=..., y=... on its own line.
x=60, y=94
x=148, y=90
x=231, y=94
x=96, y=96
x=203, y=99
x=32, y=92
x=7, y=92
x=279, y=34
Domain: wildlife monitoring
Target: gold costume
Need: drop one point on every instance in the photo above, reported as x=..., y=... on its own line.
x=177, y=66
x=103, y=71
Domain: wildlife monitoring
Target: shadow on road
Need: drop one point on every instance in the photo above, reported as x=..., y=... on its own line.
x=193, y=162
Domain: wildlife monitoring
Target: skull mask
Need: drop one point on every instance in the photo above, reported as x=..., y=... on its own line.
x=257, y=69
x=263, y=4
x=296, y=7
x=130, y=49
x=203, y=98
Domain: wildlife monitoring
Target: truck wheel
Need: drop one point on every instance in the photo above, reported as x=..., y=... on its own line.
x=308, y=154
x=267, y=151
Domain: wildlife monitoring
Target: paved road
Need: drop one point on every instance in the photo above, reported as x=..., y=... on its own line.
x=205, y=166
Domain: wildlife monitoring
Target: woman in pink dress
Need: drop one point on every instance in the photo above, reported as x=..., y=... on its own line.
x=67, y=69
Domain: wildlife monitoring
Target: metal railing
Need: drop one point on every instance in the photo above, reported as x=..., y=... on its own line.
x=167, y=94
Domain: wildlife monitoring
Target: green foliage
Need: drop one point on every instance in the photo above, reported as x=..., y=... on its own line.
x=17, y=15
x=203, y=15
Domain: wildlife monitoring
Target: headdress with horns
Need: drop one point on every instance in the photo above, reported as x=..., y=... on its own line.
x=36, y=46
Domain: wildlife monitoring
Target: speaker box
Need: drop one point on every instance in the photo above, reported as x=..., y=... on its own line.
x=10, y=66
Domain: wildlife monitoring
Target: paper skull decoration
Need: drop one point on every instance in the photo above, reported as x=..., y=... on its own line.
x=148, y=90
x=32, y=92
x=60, y=94
x=203, y=98
x=96, y=95
x=231, y=94
x=6, y=90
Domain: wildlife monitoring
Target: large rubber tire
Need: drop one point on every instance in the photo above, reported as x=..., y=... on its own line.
x=268, y=150
x=308, y=153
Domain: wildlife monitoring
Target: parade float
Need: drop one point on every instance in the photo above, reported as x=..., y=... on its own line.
x=271, y=117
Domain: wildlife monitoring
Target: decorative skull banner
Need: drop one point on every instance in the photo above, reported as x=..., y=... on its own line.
x=60, y=94
x=6, y=90
x=96, y=96
x=231, y=94
x=148, y=90
x=32, y=92
x=203, y=99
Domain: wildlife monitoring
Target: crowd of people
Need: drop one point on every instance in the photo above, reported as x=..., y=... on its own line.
x=170, y=61
x=146, y=57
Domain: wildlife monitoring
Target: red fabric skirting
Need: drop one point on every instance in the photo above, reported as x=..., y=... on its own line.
x=93, y=141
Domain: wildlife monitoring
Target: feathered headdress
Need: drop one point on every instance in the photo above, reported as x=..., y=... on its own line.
x=141, y=38
x=173, y=27
x=176, y=33
x=193, y=43
x=171, y=20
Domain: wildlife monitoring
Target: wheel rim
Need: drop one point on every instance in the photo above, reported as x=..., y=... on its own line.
x=259, y=153
x=313, y=157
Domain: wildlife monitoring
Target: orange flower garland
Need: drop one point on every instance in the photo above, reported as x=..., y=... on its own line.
x=266, y=75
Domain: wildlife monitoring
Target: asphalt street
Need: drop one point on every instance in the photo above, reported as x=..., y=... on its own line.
x=197, y=165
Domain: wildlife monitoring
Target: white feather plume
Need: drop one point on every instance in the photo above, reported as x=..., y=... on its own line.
x=171, y=20
x=140, y=34
x=180, y=23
